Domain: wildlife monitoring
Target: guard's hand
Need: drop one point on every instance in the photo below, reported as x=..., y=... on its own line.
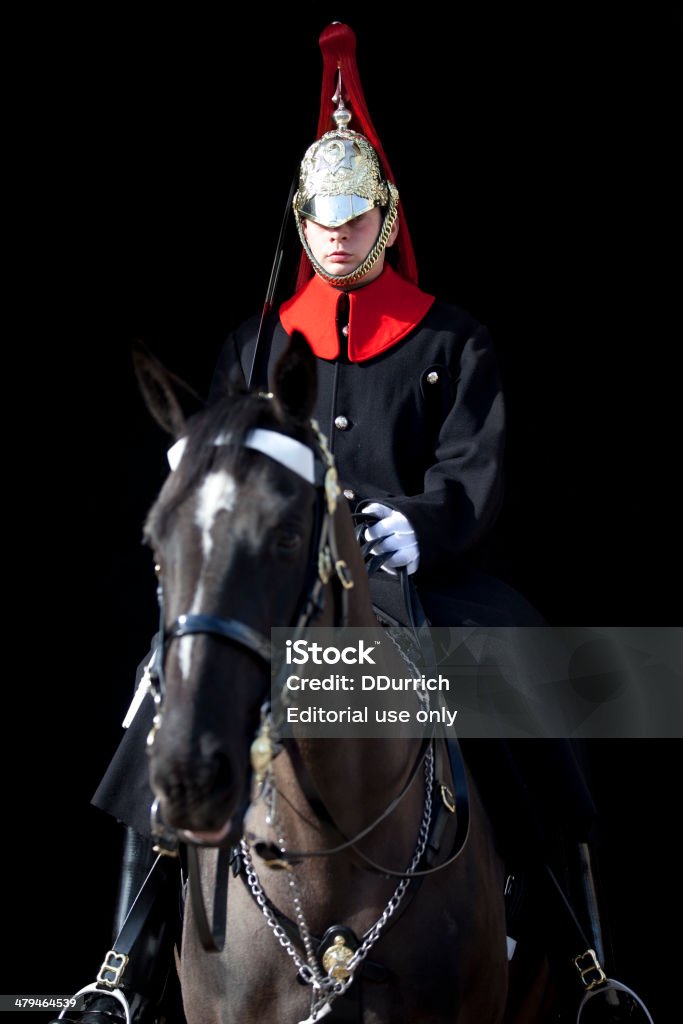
x=393, y=533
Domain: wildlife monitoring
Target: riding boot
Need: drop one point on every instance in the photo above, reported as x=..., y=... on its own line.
x=140, y=966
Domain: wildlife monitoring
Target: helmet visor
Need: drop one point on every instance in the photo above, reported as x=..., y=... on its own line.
x=333, y=211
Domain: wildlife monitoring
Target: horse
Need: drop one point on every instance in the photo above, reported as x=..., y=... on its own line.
x=360, y=924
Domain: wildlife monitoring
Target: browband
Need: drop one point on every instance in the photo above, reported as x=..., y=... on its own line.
x=290, y=453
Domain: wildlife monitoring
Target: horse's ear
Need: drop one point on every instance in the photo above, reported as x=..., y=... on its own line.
x=159, y=389
x=295, y=380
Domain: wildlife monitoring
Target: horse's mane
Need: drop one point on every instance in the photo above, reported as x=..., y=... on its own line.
x=231, y=416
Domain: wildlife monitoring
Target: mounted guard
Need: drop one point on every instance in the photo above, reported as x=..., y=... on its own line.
x=409, y=397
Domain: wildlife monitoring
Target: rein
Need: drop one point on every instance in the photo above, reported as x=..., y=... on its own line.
x=458, y=805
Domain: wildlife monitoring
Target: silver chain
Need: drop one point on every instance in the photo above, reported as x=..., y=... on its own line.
x=395, y=634
x=328, y=988
x=373, y=934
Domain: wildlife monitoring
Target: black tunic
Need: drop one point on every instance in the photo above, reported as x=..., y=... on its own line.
x=420, y=427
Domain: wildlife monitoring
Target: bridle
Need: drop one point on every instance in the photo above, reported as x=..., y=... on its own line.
x=324, y=564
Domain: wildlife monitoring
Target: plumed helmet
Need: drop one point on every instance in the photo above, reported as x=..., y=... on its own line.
x=340, y=179
x=345, y=172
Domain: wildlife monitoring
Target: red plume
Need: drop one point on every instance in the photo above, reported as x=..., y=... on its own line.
x=338, y=46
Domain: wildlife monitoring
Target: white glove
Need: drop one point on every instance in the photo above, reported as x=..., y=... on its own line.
x=394, y=533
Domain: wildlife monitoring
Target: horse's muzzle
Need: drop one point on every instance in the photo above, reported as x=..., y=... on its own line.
x=197, y=795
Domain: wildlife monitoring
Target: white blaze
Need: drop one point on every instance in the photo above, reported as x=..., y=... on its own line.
x=216, y=494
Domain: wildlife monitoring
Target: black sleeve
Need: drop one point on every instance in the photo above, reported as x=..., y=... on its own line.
x=463, y=487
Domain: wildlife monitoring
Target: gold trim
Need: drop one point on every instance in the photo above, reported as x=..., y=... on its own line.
x=156, y=725
x=116, y=969
x=335, y=959
x=261, y=752
x=332, y=490
x=340, y=164
x=447, y=798
x=344, y=574
x=593, y=967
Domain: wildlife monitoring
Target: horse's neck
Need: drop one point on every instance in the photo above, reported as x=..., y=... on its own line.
x=365, y=772
x=336, y=788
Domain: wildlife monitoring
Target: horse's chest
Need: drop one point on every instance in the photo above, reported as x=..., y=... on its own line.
x=254, y=978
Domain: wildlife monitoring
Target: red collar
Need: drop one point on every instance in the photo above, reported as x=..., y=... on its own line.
x=380, y=314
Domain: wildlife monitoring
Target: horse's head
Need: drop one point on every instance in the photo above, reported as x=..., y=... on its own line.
x=235, y=532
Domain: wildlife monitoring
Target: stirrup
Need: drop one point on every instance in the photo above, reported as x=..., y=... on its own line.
x=597, y=987
x=110, y=993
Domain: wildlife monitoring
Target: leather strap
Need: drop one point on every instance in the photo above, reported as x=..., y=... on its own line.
x=269, y=851
x=110, y=976
x=136, y=917
x=462, y=815
x=229, y=629
x=212, y=936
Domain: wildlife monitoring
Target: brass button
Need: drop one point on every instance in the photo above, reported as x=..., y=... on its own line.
x=348, y=493
x=341, y=423
x=432, y=377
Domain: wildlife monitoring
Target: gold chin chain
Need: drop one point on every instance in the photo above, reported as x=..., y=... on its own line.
x=370, y=260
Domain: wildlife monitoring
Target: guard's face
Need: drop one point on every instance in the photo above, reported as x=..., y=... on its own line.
x=340, y=250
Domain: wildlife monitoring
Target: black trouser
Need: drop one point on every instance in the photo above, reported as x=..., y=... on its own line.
x=149, y=981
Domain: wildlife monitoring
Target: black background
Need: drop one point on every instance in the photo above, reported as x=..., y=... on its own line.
x=150, y=158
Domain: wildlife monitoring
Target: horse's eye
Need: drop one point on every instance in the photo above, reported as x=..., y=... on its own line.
x=287, y=543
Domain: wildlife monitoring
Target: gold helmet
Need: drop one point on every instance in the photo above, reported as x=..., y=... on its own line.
x=341, y=175
x=340, y=179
